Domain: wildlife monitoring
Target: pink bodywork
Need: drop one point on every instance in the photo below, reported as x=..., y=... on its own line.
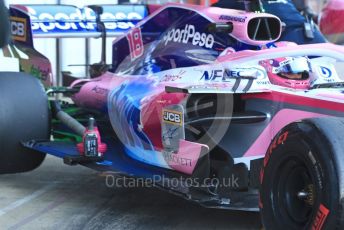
x=282, y=118
x=332, y=15
x=247, y=55
x=214, y=14
x=94, y=93
x=188, y=150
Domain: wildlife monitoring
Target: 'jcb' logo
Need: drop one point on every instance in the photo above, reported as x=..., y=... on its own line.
x=18, y=26
x=172, y=117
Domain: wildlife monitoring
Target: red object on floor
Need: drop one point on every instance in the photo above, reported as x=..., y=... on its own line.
x=102, y=147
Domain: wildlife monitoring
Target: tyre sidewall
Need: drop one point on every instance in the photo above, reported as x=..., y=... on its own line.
x=315, y=149
x=24, y=116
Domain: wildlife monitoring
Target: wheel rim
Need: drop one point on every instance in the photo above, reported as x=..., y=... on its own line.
x=293, y=192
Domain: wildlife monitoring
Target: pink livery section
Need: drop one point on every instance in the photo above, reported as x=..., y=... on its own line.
x=331, y=21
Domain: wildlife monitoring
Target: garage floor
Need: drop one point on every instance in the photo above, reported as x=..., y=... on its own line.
x=56, y=196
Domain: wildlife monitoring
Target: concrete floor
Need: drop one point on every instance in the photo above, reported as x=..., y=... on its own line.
x=56, y=196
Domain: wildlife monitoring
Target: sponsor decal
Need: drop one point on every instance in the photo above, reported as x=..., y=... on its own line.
x=173, y=77
x=189, y=35
x=281, y=66
x=268, y=46
x=224, y=74
x=230, y=74
x=320, y=217
x=100, y=90
x=79, y=19
x=276, y=142
x=325, y=72
x=172, y=117
x=172, y=129
x=18, y=28
x=170, y=133
x=174, y=159
x=232, y=18
x=263, y=82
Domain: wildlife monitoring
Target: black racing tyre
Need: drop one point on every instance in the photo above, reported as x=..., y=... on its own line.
x=301, y=181
x=24, y=115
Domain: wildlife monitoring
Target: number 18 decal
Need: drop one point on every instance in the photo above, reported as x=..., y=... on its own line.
x=135, y=43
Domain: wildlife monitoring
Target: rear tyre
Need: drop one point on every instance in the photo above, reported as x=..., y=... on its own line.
x=24, y=115
x=302, y=177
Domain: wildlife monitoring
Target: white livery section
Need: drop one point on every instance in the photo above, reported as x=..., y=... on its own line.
x=246, y=75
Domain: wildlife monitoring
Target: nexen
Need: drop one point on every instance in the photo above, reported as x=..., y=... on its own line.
x=189, y=34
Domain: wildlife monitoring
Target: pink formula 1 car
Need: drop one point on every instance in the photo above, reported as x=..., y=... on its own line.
x=199, y=101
